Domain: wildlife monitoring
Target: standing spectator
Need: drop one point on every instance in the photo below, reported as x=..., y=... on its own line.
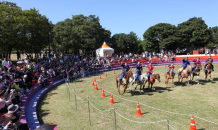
x=10, y=62
x=26, y=60
x=18, y=55
x=4, y=64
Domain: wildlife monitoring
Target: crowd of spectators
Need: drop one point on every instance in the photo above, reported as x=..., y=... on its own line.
x=16, y=79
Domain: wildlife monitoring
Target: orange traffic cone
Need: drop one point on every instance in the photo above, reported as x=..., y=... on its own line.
x=103, y=95
x=138, y=112
x=192, y=126
x=96, y=87
x=177, y=64
x=94, y=79
x=93, y=83
x=106, y=74
x=100, y=76
x=114, y=72
x=203, y=64
x=164, y=65
x=112, y=100
x=131, y=69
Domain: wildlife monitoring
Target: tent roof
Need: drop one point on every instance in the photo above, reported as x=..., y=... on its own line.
x=105, y=45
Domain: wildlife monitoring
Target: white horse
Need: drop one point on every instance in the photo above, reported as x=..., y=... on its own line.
x=141, y=81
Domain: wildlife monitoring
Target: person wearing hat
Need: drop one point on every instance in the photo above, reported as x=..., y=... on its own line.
x=12, y=109
x=138, y=71
x=125, y=70
x=3, y=103
x=13, y=124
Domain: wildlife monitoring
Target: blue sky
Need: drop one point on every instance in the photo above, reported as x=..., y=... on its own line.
x=124, y=16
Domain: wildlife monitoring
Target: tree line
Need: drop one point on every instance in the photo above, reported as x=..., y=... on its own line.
x=22, y=29
x=30, y=31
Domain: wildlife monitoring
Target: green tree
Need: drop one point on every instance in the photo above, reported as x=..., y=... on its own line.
x=140, y=46
x=22, y=30
x=81, y=32
x=194, y=33
x=125, y=42
x=161, y=35
x=215, y=35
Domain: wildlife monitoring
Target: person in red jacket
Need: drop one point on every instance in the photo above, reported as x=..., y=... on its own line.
x=171, y=67
x=196, y=62
x=150, y=69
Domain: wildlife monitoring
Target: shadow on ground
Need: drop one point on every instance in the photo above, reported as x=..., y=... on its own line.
x=149, y=91
x=42, y=113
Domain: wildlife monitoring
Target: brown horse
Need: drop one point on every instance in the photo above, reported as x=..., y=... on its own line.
x=185, y=73
x=208, y=70
x=196, y=71
x=169, y=76
x=151, y=80
x=126, y=77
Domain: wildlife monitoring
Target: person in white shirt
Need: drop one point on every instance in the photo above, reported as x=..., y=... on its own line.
x=4, y=63
x=50, y=72
x=26, y=60
x=3, y=108
x=9, y=62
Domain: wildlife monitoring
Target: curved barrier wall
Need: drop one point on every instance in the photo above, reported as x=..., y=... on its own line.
x=37, y=92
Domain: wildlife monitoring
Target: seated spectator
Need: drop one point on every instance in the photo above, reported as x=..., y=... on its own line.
x=12, y=110
x=13, y=124
x=41, y=81
x=18, y=86
x=3, y=102
x=26, y=60
x=82, y=72
x=133, y=60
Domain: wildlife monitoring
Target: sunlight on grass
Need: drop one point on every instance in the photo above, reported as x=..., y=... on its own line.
x=199, y=100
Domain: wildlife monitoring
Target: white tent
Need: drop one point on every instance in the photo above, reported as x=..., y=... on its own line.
x=105, y=49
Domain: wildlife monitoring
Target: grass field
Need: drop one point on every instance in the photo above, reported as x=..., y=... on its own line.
x=199, y=100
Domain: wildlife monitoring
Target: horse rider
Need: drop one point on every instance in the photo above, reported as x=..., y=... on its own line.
x=171, y=67
x=207, y=62
x=196, y=62
x=150, y=70
x=138, y=71
x=185, y=63
x=125, y=69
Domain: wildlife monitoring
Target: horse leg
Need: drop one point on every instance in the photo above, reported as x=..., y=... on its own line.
x=135, y=87
x=210, y=76
x=166, y=80
x=188, y=81
x=131, y=86
x=172, y=82
x=198, y=78
x=178, y=78
x=140, y=88
x=205, y=76
x=118, y=86
x=148, y=85
x=124, y=89
x=151, y=87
